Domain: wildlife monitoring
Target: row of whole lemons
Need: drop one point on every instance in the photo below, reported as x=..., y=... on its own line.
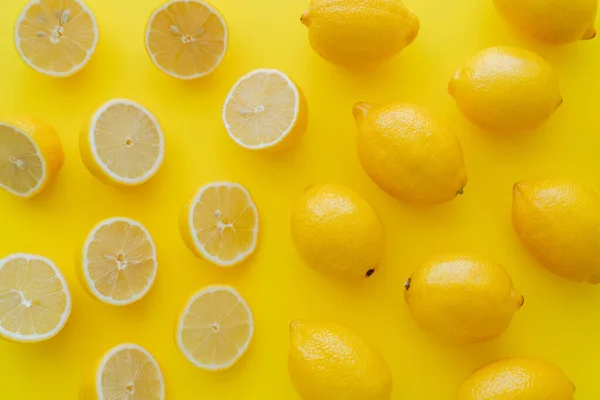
x=407, y=151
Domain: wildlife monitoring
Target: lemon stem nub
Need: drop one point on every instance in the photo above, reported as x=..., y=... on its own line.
x=461, y=191
x=407, y=284
x=360, y=111
x=370, y=272
x=304, y=18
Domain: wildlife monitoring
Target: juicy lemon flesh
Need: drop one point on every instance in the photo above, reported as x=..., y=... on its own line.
x=131, y=374
x=225, y=222
x=32, y=298
x=217, y=329
x=187, y=39
x=127, y=141
x=57, y=35
x=121, y=261
x=261, y=109
x=21, y=167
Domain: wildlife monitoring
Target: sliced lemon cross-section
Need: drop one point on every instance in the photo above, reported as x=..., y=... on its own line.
x=56, y=38
x=265, y=110
x=186, y=39
x=220, y=223
x=35, y=301
x=215, y=328
x=31, y=156
x=127, y=372
x=119, y=262
x=123, y=145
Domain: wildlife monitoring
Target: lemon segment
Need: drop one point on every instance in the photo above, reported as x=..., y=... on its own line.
x=220, y=224
x=124, y=144
x=119, y=262
x=35, y=301
x=265, y=109
x=215, y=328
x=31, y=156
x=56, y=38
x=186, y=39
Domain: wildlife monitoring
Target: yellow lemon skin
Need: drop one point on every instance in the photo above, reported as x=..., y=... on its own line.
x=559, y=223
x=409, y=153
x=517, y=378
x=552, y=22
x=337, y=232
x=462, y=299
x=330, y=361
x=505, y=89
x=359, y=34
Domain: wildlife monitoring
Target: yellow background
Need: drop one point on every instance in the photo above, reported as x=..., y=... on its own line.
x=560, y=320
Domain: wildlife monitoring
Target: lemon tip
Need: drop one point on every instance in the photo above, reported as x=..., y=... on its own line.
x=360, y=110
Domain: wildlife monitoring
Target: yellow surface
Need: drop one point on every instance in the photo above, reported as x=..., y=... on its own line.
x=559, y=321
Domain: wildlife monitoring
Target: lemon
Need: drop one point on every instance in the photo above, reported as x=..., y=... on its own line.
x=215, y=328
x=462, y=299
x=559, y=223
x=123, y=145
x=220, y=223
x=517, y=378
x=119, y=263
x=186, y=39
x=505, y=89
x=330, y=361
x=555, y=22
x=409, y=153
x=337, y=232
x=31, y=156
x=56, y=38
x=127, y=371
x=359, y=34
x=35, y=301
x=265, y=109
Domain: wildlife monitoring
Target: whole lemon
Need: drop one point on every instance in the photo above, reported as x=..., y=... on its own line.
x=517, y=378
x=505, y=89
x=329, y=361
x=337, y=232
x=559, y=223
x=552, y=22
x=359, y=34
x=409, y=154
x=462, y=299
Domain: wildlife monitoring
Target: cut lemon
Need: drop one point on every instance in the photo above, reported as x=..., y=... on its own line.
x=124, y=144
x=127, y=372
x=186, y=39
x=56, y=37
x=119, y=262
x=220, y=223
x=265, y=110
x=31, y=156
x=215, y=328
x=35, y=302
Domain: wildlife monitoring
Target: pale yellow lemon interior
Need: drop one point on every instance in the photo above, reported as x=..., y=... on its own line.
x=187, y=39
x=261, y=109
x=21, y=168
x=131, y=374
x=57, y=35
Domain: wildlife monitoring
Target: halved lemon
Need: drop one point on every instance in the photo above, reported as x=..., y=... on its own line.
x=119, y=262
x=31, y=156
x=127, y=372
x=215, y=328
x=186, y=39
x=265, y=110
x=35, y=301
x=123, y=145
x=220, y=223
x=56, y=37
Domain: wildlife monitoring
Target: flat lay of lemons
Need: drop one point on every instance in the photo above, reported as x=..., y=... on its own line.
x=302, y=199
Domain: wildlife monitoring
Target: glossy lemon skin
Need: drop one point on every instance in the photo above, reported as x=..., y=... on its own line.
x=506, y=90
x=559, y=223
x=359, y=34
x=409, y=153
x=517, y=379
x=462, y=298
x=330, y=361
